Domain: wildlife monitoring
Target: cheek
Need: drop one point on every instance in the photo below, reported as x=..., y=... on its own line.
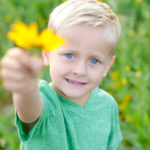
x=58, y=68
x=96, y=76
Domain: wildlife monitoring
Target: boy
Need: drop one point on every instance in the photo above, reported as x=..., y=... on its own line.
x=70, y=113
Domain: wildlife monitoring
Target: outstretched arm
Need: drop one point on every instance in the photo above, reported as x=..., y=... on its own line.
x=20, y=76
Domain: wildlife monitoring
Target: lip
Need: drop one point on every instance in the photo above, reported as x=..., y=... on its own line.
x=75, y=82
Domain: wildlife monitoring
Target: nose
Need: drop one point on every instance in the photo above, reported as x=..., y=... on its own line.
x=79, y=69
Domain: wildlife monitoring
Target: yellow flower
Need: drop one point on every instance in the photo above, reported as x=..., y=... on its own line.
x=117, y=84
x=147, y=14
x=28, y=36
x=115, y=75
x=23, y=35
x=138, y=1
x=50, y=41
x=124, y=81
x=125, y=102
x=127, y=97
x=138, y=73
x=127, y=117
x=123, y=106
x=127, y=68
x=131, y=33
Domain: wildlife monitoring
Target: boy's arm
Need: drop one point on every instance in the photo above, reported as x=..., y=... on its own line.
x=28, y=106
x=20, y=76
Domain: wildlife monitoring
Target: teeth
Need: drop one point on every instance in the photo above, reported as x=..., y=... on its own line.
x=72, y=81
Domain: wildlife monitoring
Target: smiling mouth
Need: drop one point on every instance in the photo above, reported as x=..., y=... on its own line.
x=75, y=82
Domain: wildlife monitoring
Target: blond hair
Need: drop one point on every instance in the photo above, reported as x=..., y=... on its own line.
x=88, y=12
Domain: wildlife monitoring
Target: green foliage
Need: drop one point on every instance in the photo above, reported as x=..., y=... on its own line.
x=128, y=80
x=11, y=11
x=8, y=134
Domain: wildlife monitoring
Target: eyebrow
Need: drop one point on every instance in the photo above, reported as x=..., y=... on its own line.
x=69, y=50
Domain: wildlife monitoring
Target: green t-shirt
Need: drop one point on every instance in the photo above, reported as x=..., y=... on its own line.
x=66, y=125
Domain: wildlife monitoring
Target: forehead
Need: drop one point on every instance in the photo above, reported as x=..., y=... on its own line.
x=82, y=37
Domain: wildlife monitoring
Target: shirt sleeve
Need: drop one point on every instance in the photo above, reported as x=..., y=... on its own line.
x=115, y=136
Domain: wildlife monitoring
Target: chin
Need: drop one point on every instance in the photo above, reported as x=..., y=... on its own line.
x=72, y=95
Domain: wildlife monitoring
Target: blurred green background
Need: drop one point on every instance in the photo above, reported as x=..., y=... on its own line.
x=128, y=80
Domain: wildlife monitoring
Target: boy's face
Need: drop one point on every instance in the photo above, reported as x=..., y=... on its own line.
x=76, y=69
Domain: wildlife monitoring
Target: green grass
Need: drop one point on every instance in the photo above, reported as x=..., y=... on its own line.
x=128, y=80
x=8, y=133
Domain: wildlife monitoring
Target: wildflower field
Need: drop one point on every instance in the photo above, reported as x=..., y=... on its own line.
x=128, y=80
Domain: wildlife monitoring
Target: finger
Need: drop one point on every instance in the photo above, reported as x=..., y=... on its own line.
x=21, y=56
x=11, y=70
x=30, y=64
x=14, y=51
x=10, y=63
x=13, y=86
x=24, y=87
x=9, y=74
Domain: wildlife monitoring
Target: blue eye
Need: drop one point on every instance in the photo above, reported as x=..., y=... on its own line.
x=69, y=56
x=94, y=61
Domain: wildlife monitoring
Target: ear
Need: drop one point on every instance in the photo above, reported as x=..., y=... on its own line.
x=109, y=65
x=45, y=56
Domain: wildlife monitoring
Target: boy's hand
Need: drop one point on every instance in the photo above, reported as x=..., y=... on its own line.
x=20, y=71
